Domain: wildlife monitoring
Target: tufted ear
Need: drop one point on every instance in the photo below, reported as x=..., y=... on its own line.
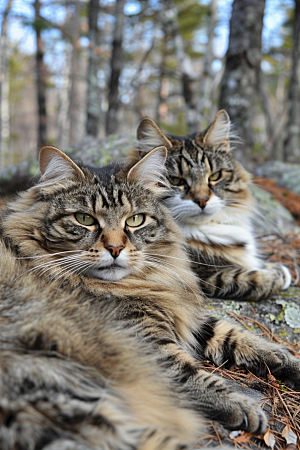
x=150, y=171
x=218, y=131
x=56, y=166
x=149, y=135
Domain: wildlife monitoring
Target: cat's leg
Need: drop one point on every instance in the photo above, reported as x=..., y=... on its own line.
x=210, y=395
x=221, y=278
x=224, y=342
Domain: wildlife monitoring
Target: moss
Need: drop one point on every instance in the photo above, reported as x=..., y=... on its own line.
x=283, y=334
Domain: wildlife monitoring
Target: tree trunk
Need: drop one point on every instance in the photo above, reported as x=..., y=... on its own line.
x=116, y=67
x=240, y=83
x=207, y=77
x=291, y=150
x=74, y=111
x=4, y=88
x=63, y=116
x=40, y=79
x=93, y=95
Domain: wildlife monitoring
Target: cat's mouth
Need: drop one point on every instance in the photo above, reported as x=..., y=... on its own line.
x=113, y=272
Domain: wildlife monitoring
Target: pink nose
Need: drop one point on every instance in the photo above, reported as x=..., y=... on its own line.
x=115, y=251
x=201, y=201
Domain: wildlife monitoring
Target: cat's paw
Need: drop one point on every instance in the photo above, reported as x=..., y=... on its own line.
x=244, y=413
x=285, y=367
x=286, y=276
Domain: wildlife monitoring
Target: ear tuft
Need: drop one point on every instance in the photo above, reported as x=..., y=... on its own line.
x=56, y=166
x=150, y=171
x=218, y=132
x=149, y=135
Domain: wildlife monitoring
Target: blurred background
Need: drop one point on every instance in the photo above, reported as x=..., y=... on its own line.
x=71, y=70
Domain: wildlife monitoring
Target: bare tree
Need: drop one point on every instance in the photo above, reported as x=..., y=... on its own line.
x=93, y=96
x=291, y=150
x=207, y=84
x=4, y=86
x=241, y=79
x=41, y=74
x=116, y=67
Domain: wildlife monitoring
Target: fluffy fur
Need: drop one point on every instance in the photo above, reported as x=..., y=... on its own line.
x=212, y=204
x=93, y=357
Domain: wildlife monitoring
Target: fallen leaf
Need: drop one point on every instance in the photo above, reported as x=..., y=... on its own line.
x=241, y=436
x=269, y=438
x=289, y=435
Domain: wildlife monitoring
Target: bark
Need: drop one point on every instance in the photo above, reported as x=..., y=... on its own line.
x=63, y=116
x=116, y=67
x=291, y=150
x=186, y=71
x=4, y=88
x=41, y=75
x=75, y=74
x=93, y=94
x=207, y=79
x=161, y=107
x=241, y=79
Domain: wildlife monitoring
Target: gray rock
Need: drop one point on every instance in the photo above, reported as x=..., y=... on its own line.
x=270, y=216
x=93, y=152
x=286, y=175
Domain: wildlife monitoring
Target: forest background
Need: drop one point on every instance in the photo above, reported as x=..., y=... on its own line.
x=71, y=70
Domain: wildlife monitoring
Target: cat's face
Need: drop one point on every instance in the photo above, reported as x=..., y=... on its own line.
x=208, y=184
x=105, y=224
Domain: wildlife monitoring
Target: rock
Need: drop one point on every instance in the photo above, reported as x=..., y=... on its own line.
x=270, y=216
x=285, y=174
x=93, y=152
x=281, y=314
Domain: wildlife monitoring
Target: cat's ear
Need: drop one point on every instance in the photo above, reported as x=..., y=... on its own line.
x=150, y=171
x=56, y=166
x=149, y=135
x=218, y=131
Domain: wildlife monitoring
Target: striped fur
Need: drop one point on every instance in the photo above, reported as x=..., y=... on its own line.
x=103, y=352
x=212, y=204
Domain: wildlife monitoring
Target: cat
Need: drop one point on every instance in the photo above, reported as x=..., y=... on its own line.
x=102, y=327
x=212, y=203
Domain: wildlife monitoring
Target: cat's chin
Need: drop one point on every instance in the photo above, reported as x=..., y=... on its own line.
x=110, y=274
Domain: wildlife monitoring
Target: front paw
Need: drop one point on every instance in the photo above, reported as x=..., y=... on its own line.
x=286, y=367
x=243, y=413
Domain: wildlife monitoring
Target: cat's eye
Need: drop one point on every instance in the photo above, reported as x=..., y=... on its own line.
x=215, y=176
x=135, y=221
x=85, y=219
x=176, y=181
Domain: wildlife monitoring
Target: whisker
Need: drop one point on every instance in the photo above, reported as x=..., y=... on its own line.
x=169, y=264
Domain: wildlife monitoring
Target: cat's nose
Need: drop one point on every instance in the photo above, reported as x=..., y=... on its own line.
x=201, y=201
x=114, y=251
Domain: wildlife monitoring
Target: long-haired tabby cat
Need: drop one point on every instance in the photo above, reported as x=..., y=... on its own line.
x=212, y=203
x=102, y=329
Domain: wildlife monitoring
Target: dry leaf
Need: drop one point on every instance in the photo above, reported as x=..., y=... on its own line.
x=289, y=435
x=240, y=436
x=269, y=438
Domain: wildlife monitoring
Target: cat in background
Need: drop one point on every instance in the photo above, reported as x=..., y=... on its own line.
x=102, y=328
x=212, y=203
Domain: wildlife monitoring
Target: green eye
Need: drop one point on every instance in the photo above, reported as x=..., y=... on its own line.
x=215, y=176
x=85, y=219
x=176, y=181
x=135, y=221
